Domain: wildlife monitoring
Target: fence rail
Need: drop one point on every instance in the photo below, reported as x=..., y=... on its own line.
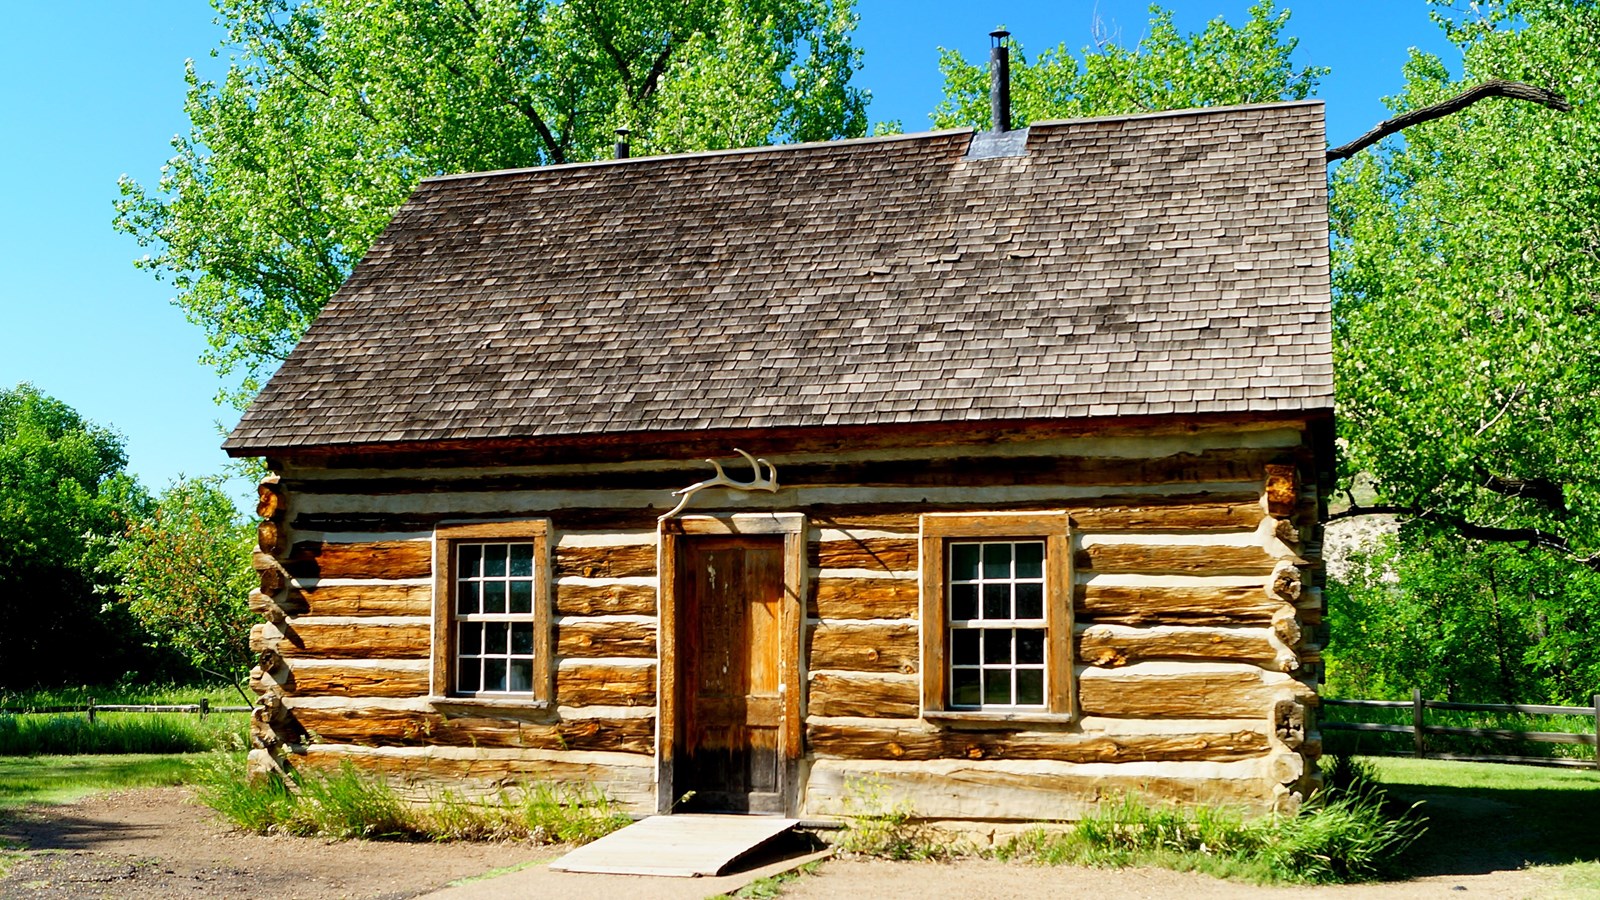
x=1419, y=729
x=203, y=709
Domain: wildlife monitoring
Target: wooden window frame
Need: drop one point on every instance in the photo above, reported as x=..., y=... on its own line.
x=937, y=531
x=446, y=537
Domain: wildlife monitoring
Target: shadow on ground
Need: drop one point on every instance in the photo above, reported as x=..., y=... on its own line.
x=1483, y=828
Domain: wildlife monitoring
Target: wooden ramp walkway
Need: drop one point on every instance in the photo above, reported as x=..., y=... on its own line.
x=685, y=846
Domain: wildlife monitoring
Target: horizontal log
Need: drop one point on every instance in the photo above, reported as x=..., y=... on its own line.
x=1122, y=605
x=269, y=537
x=364, y=599
x=405, y=728
x=1046, y=790
x=606, y=639
x=914, y=742
x=610, y=599
x=1243, y=464
x=367, y=559
x=276, y=608
x=269, y=498
x=1173, y=692
x=875, y=696
x=863, y=598
x=879, y=554
x=627, y=778
x=1176, y=559
x=602, y=685
x=865, y=648
x=1111, y=512
x=624, y=561
x=1111, y=646
x=352, y=681
x=343, y=641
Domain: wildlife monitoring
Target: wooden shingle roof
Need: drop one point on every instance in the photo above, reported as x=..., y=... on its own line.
x=1169, y=263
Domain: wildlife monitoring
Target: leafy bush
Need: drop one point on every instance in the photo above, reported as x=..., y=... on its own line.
x=347, y=803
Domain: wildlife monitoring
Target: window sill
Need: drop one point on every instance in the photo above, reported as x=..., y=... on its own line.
x=498, y=704
x=961, y=718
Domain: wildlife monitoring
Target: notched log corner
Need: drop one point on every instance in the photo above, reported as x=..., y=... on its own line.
x=1289, y=722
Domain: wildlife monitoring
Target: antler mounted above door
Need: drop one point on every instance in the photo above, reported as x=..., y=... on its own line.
x=768, y=483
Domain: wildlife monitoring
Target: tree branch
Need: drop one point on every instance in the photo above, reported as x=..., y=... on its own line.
x=1494, y=87
x=1533, y=537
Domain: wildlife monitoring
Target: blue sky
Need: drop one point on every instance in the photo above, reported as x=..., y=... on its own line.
x=94, y=90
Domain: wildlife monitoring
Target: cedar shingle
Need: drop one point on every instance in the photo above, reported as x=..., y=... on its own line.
x=1150, y=264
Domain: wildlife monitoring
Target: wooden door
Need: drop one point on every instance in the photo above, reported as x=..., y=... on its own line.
x=729, y=643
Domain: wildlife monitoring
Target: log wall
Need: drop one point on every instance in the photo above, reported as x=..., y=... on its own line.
x=1195, y=596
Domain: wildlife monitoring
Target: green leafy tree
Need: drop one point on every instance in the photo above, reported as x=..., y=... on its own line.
x=1466, y=263
x=1222, y=64
x=183, y=571
x=331, y=111
x=62, y=485
x=1466, y=268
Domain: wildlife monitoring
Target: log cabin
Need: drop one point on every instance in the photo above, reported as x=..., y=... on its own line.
x=983, y=468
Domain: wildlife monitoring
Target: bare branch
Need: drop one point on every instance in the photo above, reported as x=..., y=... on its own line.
x=1533, y=537
x=1494, y=87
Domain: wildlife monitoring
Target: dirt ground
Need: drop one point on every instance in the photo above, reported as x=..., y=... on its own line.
x=158, y=843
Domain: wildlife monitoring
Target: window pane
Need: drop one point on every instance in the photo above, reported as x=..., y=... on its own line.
x=467, y=672
x=963, y=601
x=1030, y=687
x=997, y=560
x=494, y=596
x=964, y=688
x=522, y=638
x=469, y=560
x=521, y=675
x=471, y=639
x=1030, y=646
x=997, y=601
x=1030, y=601
x=963, y=562
x=521, y=560
x=466, y=597
x=494, y=560
x=997, y=647
x=1030, y=560
x=964, y=645
x=521, y=596
x=997, y=687
x=494, y=674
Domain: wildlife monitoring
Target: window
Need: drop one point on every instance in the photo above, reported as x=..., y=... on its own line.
x=996, y=616
x=492, y=611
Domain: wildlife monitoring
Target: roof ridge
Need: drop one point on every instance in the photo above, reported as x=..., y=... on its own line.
x=1189, y=111
x=871, y=139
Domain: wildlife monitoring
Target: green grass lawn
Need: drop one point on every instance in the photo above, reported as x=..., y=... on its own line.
x=63, y=779
x=163, y=694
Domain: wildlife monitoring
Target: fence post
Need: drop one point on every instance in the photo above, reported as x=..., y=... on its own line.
x=205, y=707
x=1597, y=731
x=91, y=710
x=1416, y=721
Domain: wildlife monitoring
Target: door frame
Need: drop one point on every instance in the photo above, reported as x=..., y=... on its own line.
x=672, y=532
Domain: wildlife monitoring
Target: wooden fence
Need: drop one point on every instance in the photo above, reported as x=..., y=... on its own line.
x=1419, y=729
x=203, y=709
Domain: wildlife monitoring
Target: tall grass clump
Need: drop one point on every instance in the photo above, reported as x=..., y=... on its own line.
x=1347, y=832
x=878, y=825
x=71, y=735
x=347, y=803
